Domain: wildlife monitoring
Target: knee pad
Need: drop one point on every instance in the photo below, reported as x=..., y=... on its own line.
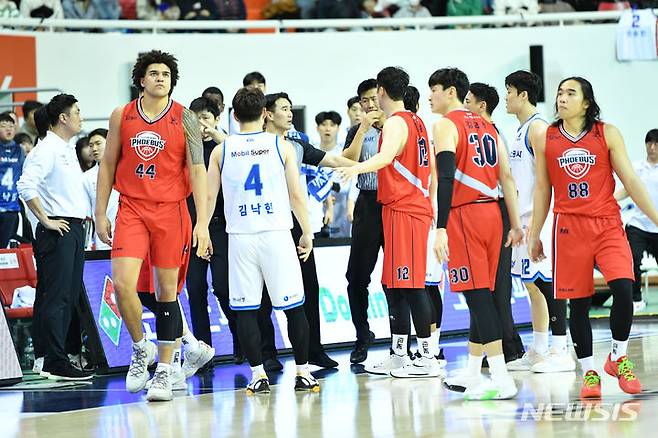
x=168, y=321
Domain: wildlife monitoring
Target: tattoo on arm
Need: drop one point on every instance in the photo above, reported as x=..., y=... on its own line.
x=193, y=136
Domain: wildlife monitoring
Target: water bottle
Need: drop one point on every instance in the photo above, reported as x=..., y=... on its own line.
x=28, y=355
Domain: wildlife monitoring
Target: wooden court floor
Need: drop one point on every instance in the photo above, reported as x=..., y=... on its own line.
x=350, y=404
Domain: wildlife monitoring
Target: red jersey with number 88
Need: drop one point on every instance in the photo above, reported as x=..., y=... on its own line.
x=404, y=184
x=152, y=162
x=476, y=159
x=581, y=172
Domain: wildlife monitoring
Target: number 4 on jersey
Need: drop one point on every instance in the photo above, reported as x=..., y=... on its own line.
x=150, y=171
x=253, y=180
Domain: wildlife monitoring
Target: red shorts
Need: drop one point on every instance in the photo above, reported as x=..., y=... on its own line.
x=146, y=283
x=161, y=230
x=475, y=232
x=405, y=249
x=579, y=242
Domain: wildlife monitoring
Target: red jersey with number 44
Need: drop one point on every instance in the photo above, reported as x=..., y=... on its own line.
x=476, y=159
x=152, y=164
x=580, y=172
x=404, y=184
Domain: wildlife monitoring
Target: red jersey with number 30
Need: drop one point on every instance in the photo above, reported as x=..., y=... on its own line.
x=580, y=172
x=404, y=184
x=476, y=159
x=152, y=164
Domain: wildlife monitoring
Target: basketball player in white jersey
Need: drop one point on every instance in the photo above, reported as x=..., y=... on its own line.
x=523, y=90
x=258, y=171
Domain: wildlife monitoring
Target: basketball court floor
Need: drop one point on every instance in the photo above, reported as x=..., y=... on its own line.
x=350, y=404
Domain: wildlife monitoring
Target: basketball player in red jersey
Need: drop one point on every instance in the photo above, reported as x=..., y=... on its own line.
x=404, y=164
x=472, y=160
x=576, y=159
x=154, y=151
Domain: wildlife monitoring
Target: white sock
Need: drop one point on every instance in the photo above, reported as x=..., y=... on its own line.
x=399, y=344
x=497, y=365
x=424, y=348
x=140, y=344
x=163, y=366
x=257, y=372
x=302, y=370
x=560, y=344
x=540, y=342
x=618, y=349
x=175, y=360
x=191, y=343
x=587, y=364
x=474, y=365
x=434, y=343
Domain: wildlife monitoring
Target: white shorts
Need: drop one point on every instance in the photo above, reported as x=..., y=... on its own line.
x=269, y=257
x=434, y=270
x=522, y=266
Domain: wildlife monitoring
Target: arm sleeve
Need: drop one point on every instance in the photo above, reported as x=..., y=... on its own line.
x=311, y=155
x=446, y=168
x=350, y=136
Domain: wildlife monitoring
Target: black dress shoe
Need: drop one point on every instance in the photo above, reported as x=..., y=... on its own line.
x=272, y=365
x=322, y=360
x=360, y=352
x=65, y=371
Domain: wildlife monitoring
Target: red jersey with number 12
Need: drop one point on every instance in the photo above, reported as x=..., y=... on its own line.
x=152, y=164
x=580, y=172
x=404, y=184
x=476, y=159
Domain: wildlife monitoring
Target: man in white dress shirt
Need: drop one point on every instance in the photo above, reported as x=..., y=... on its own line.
x=51, y=185
x=97, y=144
x=641, y=232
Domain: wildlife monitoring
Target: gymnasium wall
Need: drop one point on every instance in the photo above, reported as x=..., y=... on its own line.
x=322, y=70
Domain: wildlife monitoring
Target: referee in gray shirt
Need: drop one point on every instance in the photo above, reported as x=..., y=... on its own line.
x=51, y=185
x=362, y=142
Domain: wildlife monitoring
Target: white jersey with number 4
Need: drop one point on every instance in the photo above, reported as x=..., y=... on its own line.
x=254, y=184
x=522, y=165
x=636, y=35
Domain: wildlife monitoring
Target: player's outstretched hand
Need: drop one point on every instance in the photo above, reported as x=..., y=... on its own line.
x=514, y=237
x=346, y=173
x=104, y=229
x=441, y=250
x=536, y=249
x=305, y=246
x=201, y=240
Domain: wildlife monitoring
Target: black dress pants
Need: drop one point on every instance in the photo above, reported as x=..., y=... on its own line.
x=367, y=239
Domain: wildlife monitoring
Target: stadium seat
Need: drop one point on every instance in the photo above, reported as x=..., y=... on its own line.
x=12, y=277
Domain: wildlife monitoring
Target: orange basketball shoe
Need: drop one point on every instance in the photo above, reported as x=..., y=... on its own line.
x=622, y=369
x=591, y=386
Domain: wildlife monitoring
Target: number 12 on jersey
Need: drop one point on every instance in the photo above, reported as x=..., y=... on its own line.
x=253, y=181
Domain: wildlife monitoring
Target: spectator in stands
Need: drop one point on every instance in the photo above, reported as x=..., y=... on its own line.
x=464, y=7
x=552, y=6
x=42, y=9
x=158, y=10
x=11, y=165
x=354, y=111
x=29, y=127
x=369, y=9
x=338, y=9
x=515, y=7
x=412, y=9
x=51, y=185
x=91, y=9
x=83, y=151
x=197, y=9
x=24, y=141
x=231, y=10
x=641, y=232
x=8, y=9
